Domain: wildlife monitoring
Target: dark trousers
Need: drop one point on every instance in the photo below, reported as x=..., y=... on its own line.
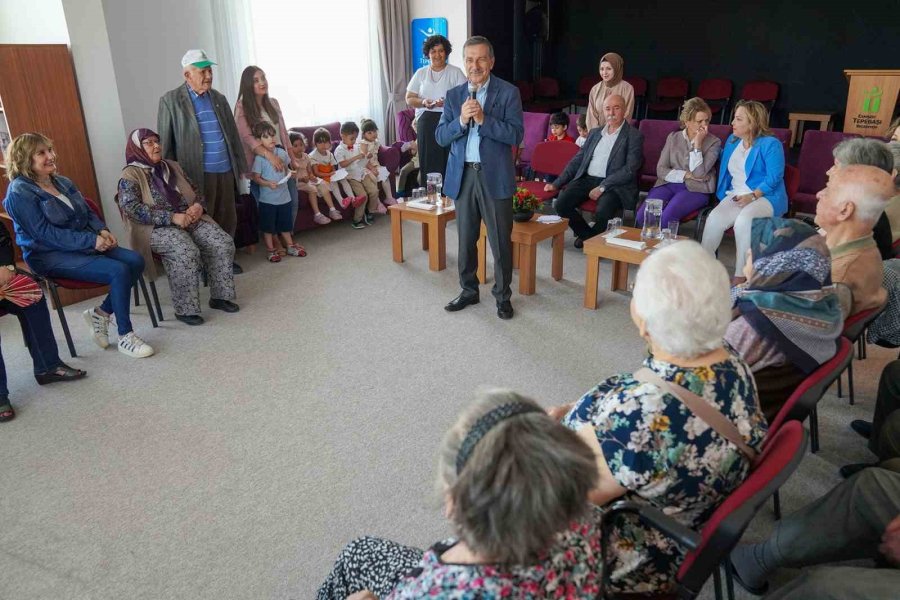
x=38, y=334
x=119, y=268
x=432, y=156
x=219, y=191
x=473, y=207
x=885, y=440
x=576, y=192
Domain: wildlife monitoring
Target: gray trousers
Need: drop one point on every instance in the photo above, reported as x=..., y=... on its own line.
x=473, y=207
x=844, y=524
x=184, y=252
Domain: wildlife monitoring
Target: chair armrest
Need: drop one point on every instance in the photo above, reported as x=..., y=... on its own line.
x=653, y=517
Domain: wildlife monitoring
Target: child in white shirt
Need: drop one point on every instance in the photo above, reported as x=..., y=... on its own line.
x=581, y=125
x=310, y=183
x=369, y=144
x=350, y=157
x=324, y=167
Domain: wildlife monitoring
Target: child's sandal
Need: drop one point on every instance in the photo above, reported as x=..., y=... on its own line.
x=274, y=256
x=296, y=250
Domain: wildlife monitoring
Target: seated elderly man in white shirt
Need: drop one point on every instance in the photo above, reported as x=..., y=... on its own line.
x=605, y=170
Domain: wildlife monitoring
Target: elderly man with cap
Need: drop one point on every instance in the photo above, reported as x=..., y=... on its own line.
x=197, y=129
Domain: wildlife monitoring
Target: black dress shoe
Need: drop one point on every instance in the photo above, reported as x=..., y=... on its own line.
x=848, y=471
x=579, y=243
x=863, y=428
x=190, y=319
x=236, y=269
x=226, y=305
x=461, y=301
x=61, y=373
x=505, y=310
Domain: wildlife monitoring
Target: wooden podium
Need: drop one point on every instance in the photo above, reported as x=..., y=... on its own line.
x=871, y=101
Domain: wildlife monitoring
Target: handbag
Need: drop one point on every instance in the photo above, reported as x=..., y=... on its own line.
x=701, y=409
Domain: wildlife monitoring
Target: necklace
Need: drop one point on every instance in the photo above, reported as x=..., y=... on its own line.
x=438, y=79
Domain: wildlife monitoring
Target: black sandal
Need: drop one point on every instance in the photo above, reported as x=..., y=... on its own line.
x=61, y=373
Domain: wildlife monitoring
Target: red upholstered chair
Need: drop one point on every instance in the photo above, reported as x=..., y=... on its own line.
x=334, y=129
x=549, y=158
x=526, y=91
x=717, y=94
x=854, y=330
x=791, y=184
x=655, y=133
x=784, y=136
x=723, y=132
x=762, y=91
x=54, y=283
x=802, y=404
x=709, y=548
x=536, y=125
x=671, y=92
x=814, y=162
x=547, y=97
x=405, y=130
x=585, y=85
x=640, y=94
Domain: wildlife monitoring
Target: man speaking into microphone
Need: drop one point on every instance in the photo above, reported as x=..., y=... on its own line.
x=481, y=123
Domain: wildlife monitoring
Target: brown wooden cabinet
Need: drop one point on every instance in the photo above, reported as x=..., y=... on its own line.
x=38, y=92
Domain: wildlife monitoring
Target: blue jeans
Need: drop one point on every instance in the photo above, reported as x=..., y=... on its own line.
x=38, y=333
x=119, y=268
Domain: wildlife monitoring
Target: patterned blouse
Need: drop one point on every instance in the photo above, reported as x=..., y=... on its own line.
x=570, y=570
x=665, y=456
x=158, y=215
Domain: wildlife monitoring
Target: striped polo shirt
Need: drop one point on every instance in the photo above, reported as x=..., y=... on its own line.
x=215, y=152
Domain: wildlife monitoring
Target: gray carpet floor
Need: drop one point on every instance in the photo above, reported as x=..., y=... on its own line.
x=239, y=460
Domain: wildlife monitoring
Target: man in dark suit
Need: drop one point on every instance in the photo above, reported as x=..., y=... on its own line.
x=605, y=169
x=481, y=133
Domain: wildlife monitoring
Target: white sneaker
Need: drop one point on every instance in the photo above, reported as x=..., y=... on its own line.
x=99, y=327
x=131, y=345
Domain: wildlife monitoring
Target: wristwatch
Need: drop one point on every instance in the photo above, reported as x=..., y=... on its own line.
x=11, y=268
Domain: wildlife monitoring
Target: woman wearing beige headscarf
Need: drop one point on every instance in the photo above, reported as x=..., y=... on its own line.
x=611, y=83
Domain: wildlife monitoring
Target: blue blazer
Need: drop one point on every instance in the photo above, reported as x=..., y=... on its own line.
x=45, y=226
x=764, y=167
x=503, y=129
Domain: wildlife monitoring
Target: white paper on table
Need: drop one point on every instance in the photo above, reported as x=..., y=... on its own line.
x=421, y=205
x=549, y=219
x=339, y=175
x=613, y=233
x=287, y=177
x=635, y=244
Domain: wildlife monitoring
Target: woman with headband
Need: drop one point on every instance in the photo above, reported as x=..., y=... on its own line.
x=515, y=487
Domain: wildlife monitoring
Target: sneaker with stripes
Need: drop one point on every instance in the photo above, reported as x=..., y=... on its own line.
x=131, y=345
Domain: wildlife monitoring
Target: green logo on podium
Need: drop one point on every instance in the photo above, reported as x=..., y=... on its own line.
x=872, y=100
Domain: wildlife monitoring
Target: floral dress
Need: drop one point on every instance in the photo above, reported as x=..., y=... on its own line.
x=570, y=570
x=665, y=456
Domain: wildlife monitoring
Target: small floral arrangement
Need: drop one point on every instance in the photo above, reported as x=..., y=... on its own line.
x=524, y=201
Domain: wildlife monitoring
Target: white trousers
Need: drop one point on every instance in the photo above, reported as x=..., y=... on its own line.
x=730, y=214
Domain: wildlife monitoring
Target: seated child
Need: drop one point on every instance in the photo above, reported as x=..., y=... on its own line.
x=324, y=166
x=581, y=125
x=369, y=145
x=274, y=198
x=309, y=183
x=559, y=123
x=350, y=157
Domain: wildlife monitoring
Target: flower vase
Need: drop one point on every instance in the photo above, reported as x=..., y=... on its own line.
x=523, y=217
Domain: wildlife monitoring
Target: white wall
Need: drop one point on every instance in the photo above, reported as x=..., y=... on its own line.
x=147, y=41
x=457, y=14
x=89, y=41
x=32, y=22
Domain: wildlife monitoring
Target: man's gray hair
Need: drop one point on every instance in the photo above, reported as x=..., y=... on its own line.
x=682, y=293
x=864, y=151
x=868, y=188
x=477, y=40
x=525, y=481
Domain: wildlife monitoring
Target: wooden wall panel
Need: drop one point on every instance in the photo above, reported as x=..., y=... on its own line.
x=38, y=93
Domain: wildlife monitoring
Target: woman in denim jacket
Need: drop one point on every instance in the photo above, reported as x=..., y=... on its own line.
x=61, y=236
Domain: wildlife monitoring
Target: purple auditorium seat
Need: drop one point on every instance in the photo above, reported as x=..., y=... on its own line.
x=815, y=160
x=405, y=131
x=536, y=125
x=655, y=132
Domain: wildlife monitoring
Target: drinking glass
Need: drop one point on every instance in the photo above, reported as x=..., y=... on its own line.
x=673, y=229
x=431, y=181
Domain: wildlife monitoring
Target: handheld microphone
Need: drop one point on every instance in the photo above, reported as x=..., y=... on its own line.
x=473, y=89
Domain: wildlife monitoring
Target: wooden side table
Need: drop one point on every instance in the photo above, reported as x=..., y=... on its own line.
x=434, y=232
x=525, y=238
x=796, y=119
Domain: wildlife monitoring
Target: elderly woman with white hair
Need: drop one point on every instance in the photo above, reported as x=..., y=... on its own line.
x=649, y=428
x=515, y=488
